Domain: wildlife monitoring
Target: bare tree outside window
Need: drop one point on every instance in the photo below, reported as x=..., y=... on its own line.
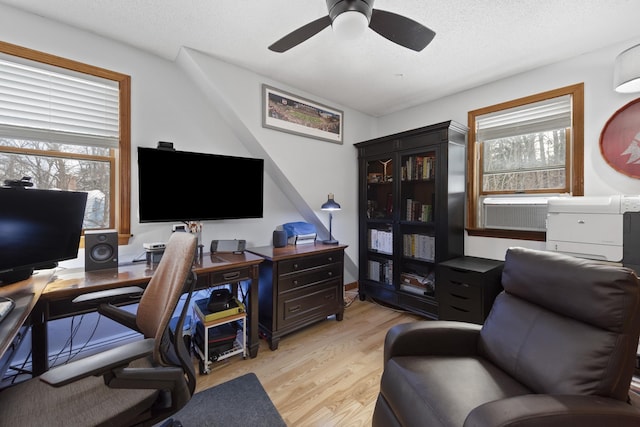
x=53, y=166
x=525, y=162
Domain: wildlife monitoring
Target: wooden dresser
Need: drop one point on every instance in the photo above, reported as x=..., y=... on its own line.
x=299, y=285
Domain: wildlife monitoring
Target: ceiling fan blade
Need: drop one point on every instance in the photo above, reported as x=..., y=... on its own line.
x=401, y=30
x=303, y=33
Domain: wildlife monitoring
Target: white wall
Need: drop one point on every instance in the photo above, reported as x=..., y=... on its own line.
x=601, y=102
x=220, y=113
x=168, y=105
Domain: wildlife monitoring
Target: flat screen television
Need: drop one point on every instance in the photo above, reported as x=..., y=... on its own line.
x=187, y=186
x=38, y=228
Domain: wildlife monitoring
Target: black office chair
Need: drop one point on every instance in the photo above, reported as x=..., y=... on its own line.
x=137, y=384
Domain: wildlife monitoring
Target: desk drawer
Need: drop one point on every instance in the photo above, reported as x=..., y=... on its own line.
x=303, y=263
x=460, y=301
x=309, y=277
x=309, y=304
x=461, y=291
x=456, y=276
x=221, y=278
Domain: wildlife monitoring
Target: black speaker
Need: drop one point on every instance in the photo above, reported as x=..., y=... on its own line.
x=279, y=238
x=100, y=249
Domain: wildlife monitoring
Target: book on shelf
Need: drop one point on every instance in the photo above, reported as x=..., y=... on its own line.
x=418, y=168
x=381, y=241
x=381, y=271
x=419, y=246
x=203, y=313
x=418, y=211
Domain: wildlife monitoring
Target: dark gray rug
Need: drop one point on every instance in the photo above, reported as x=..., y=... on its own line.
x=241, y=401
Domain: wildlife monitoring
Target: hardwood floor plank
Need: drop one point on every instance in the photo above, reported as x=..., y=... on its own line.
x=325, y=375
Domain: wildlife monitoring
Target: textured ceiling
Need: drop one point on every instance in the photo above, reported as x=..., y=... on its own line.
x=476, y=42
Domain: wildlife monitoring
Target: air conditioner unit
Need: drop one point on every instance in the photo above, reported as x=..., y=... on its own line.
x=515, y=213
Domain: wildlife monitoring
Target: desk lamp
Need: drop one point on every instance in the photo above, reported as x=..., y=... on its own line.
x=330, y=205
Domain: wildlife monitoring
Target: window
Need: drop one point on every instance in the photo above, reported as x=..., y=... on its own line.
x=67, y=126
x=521, y=152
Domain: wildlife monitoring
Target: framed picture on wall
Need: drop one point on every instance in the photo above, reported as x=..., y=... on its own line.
x=620, y=140
x=290, y=113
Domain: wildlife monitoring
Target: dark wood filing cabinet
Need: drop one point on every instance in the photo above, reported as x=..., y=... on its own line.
x=467, y=287
x=299, y=285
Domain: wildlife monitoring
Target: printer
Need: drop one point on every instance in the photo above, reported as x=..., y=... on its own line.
x=596, y=227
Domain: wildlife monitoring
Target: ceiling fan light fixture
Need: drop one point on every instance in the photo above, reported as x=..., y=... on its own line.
x=626, y=71
x=350, y=25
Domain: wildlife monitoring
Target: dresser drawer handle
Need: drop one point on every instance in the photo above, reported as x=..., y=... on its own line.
x=294, y=309
x=330, y=273
x=464, y=285
x=295, y=266
x=330, y=259
x=232, y=275
x=295, y=282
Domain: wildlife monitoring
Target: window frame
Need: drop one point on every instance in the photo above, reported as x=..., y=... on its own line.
x=120, y=215
x=575, y=168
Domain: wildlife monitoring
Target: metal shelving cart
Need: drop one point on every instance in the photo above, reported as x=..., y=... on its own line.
x=239, y=345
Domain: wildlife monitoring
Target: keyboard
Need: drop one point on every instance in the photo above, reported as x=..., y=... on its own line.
x=6, y=305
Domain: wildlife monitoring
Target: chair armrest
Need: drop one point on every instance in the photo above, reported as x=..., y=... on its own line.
x=543, y=410
x=119, y=315
x=103, y=301
x=98, y=364
x=435, y=338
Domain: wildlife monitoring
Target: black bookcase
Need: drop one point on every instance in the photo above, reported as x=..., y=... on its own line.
x=411, y=213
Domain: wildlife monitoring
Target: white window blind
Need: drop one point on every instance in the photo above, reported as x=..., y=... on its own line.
x=46, y=105
x=550, y=114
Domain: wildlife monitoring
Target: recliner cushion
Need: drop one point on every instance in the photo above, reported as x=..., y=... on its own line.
x=441, y=391
x=552, y=340
x=532, y=345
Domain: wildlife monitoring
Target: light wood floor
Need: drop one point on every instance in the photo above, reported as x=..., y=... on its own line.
x=325, y=375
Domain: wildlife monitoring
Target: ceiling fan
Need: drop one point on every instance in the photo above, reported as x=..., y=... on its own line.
x=349, y=13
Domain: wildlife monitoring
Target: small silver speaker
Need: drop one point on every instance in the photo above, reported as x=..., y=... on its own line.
x=100, y=249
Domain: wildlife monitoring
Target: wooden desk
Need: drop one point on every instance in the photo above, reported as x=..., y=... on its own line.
x=65, y=285
x=14, y=327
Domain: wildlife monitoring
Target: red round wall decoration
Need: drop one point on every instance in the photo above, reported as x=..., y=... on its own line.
x=620, y=140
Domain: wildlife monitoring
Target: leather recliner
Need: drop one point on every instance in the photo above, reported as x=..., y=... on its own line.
x=558, y=348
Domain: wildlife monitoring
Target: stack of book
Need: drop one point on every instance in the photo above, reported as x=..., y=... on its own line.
x=301, y=239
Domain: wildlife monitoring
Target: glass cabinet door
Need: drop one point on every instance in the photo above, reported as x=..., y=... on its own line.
x=417, y=201
x=380, y=189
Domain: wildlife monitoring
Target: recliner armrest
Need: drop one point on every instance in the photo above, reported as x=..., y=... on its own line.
x=98, y=364
x=423, y=338
x=544, y=410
